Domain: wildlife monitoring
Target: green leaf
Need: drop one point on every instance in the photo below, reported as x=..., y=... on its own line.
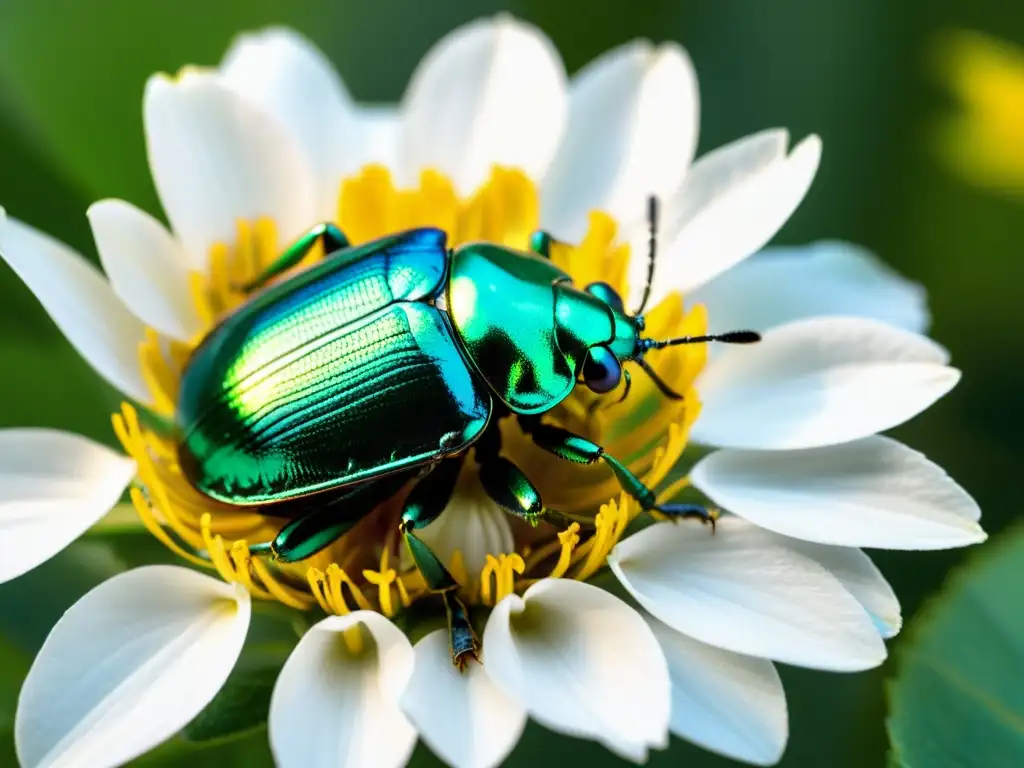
x=958, y=698
x=244, y=701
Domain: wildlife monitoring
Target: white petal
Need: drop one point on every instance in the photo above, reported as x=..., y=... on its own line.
x=825, y=278
x=860, y=577
x=740, y=590
x=81, y=303
x=376, y=135
x=128, y=666
x=471, y=524
x=873, y=492
x=287, y=76
x=463, y=716
x=146, y=265
x=818, y=382
x=583, y=663
x=53, y=487
x=491, y=92
x=217, y=158
x=733, y=202
x=633, y=122
x=332, y=709
x=730, y=704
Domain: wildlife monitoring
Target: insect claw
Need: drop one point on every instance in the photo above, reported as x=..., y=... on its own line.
x=677, y=512
x=463, y=659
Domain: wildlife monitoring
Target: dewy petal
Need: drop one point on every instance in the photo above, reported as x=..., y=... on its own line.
x=287, y=76
x=81, y=303
x=779, y=285
x=53, y=486
x=335, y=709
x=725, y=702
x=146, y=266
x=819, y=381
x=217, y=158
x=873, y=492
x=733, y=202
x=492, y=92
x=632, y=132
x=128, y=666
x=463, y=716
x=583, y=663
x=741, y=590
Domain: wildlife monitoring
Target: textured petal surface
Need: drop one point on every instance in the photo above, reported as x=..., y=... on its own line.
x=335, y=709
x=744, y=590
x=492, y=92
x=583, y=663
x=53, y=486
x=779, y=285
x=463, y=716
x=632, y=132
x=733, y=202
x=288, y=77
x=873, y=492
x=819, y=381
x=730, y=704
x=128, y=666
x=146, y=265
x=81, y=303
x=218, y=158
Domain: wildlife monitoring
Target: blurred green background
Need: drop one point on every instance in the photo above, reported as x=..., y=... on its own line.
x=861, y=73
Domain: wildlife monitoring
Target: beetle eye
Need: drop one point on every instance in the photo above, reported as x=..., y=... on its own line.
x=607, y=294
x=601, y=370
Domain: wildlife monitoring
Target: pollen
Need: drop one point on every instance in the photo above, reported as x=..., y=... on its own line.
x=366, y=569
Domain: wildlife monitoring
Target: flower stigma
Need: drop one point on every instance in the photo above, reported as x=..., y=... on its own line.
x=368, y=568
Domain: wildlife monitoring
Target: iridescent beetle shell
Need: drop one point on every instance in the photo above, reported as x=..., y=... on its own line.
x=350, y=371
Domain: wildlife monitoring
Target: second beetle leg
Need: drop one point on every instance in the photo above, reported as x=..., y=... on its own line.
x=425, y=504
x=510, y=488
x=314, y=529
x=580, y=450
x=332, y=238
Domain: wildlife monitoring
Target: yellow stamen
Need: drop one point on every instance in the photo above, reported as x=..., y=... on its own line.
x=568, y=539
x=331, y=600
x=383, y=579
x=503, y=569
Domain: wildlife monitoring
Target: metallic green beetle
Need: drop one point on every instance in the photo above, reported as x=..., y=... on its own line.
x=327, y=392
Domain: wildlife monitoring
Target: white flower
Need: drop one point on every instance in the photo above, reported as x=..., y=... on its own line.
x=270, y=135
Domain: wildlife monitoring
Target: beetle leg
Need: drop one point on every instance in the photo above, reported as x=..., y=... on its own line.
x=332, y=238
x=462, y=640
x=309, y=533
x=425, y=504
x=510, y=488
x=571, y=447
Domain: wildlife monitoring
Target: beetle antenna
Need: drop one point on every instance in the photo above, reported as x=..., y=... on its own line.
x=652, y=249
x=664, y=388
x=733, y=337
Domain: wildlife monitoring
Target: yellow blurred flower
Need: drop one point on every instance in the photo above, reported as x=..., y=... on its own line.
x=984, y=140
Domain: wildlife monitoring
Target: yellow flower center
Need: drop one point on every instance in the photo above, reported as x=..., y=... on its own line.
x=365, y=569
